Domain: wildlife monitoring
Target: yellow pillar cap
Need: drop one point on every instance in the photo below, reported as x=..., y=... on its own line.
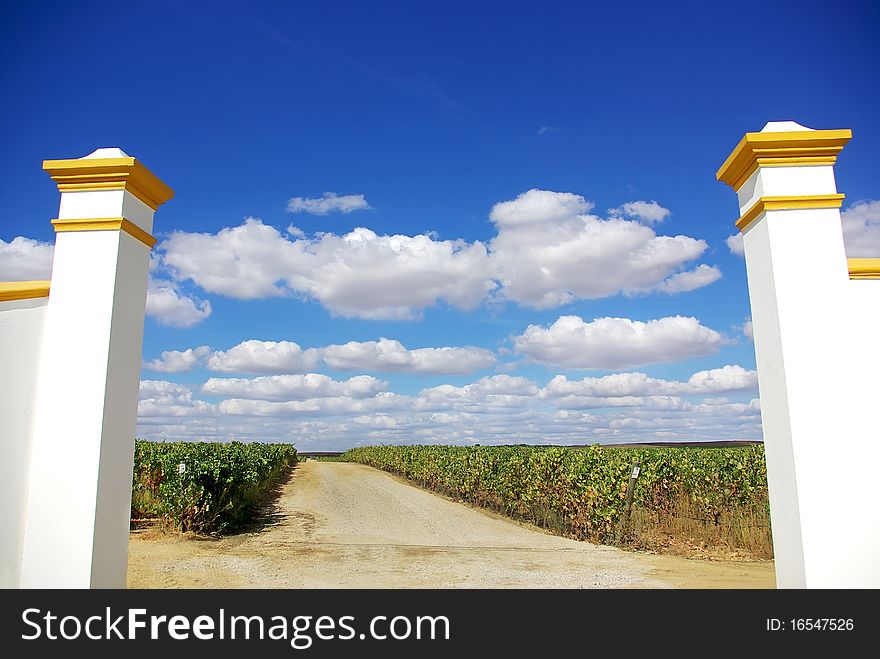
x=781, y=144
x=109, y=169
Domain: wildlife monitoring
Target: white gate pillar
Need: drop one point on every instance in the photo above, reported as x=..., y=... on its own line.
x=815, y=332
x=79, y=493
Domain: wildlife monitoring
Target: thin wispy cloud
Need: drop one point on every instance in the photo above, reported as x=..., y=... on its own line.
x=421, y=86
x=330, y=202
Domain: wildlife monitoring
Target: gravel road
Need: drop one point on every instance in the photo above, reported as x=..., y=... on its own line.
x=341, y=525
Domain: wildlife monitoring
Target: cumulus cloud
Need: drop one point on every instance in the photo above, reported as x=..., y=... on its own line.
x=294, y=387
x=255, y=356
x=330, y=202
x=727, y=379
x=747, y=330
x=647, y=402
x=357, y=274
x=164, y=391
x=539, y=207
x=646, y=211
x=320, y=413
x=160, y=398
x=616, y=384
x=861, y=229
x=178, y=361
x=384, y=355
x=244, y=262
x=486, y=395
x=735, y=244
x=170, y=307
x=616, y=343
x=690, y=280
x=391, y=356
x=329, y=406
x=548, y=251
x=23, y=259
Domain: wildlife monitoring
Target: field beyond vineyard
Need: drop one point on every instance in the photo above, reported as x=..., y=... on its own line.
x=206, y=487
x=687, y=500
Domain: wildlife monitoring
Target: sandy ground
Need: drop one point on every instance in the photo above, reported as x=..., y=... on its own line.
x=340, y=525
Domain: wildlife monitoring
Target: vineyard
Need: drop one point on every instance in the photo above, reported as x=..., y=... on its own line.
x=205, y=487
x=710, y=497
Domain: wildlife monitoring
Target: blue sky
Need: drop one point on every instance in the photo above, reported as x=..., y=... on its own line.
x=504, y=176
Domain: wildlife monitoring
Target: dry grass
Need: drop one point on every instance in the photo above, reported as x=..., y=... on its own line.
x=737, y=533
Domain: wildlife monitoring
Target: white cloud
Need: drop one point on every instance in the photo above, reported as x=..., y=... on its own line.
x=357, y=274
x=23, y=259
x=376, y=420
x=727, y=379
x=648, y=402
x=735, y=244
x=690, y=280
x=646, y=211
x=384, y=355
x=255, y=356
x=543, y=130
x=747, y=329
x=171, y=308
x=164, y=391
x=330, y=202
x=294, y=387
x=178, y=361
x=244, y=262
x=548, y=252
x=498, y=409
x=861, y=229
x=539, y=207
x=616, y=343
x=752, y=408
x=391, y=356
x=616, y=384
x=329, y=406
x=160, y=398
x=486, y=395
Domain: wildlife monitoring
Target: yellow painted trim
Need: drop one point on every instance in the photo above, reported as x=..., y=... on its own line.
x=864, y=268
x=795, y=148
x=23, y=290
x=800, y=202
x=91, y=174
x=105, y=224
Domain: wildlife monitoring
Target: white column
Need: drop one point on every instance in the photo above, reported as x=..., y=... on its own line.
x=79, y=496
x=22, y=313
x=815, y=364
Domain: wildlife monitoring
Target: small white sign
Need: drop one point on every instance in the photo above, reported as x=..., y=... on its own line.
x=635, y=472
x=181, y=468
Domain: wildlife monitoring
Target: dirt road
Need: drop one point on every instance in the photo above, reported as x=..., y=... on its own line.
x=340, y=525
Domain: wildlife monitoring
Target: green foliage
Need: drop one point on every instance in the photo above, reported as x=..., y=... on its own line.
x=220, y=489
x=581, y=492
